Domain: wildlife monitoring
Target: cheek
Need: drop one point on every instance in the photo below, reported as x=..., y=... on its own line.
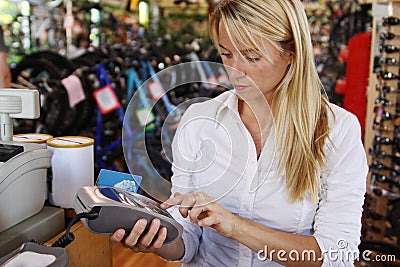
x=234, y=73
x=269, y=75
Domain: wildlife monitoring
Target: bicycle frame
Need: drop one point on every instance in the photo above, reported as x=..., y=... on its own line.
x=99, y=151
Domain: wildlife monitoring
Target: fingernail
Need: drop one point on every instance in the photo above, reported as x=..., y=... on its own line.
x=156, y=222
x=120, y=233
x=142, y=222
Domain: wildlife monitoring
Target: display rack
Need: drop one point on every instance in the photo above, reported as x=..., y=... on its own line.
x=381, y=210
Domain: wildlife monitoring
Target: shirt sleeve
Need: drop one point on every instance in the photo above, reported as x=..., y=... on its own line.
x=337, y=225
x=184, y=161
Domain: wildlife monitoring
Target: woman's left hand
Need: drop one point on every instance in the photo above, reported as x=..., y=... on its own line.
x=204, y=210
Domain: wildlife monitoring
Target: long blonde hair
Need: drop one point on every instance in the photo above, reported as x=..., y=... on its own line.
x=302, y=129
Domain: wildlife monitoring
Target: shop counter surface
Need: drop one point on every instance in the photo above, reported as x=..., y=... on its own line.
x=87, y=249
x=40, y=227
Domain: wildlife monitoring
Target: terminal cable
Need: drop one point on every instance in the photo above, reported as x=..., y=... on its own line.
x=68, y=237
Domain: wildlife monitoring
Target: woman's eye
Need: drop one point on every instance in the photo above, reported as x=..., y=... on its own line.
x=252, y=58
x=227, y=55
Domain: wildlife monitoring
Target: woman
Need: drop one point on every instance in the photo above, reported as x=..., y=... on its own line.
x=268, y=174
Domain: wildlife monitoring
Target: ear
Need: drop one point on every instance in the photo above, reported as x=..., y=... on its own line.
x=290, y=58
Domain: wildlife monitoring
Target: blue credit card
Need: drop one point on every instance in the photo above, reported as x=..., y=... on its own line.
x=121, y=180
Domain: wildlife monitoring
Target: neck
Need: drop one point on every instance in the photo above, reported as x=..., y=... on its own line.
x=258, y=109
x=256, y=113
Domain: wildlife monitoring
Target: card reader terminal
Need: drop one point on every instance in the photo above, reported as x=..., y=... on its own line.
x=119, y=208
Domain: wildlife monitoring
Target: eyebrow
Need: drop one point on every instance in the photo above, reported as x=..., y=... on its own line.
x=220, y=45
x=241, y=51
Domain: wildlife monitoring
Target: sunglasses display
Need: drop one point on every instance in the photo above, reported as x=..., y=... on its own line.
x=386, y=89
x=388, y=49
x=388, y=36
x=391, y=21
x=387, y=75
x=383, y=195
x=378, y=166
x=389, y=61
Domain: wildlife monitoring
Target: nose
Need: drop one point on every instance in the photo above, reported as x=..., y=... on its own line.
x=235, y=68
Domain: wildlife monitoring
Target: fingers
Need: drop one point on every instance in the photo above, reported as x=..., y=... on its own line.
x=197, y=213
x=203, y=215
x=187, y=204
x=146, y=239
x=117, y=236
x=142, y=240
x=176, y=200
x=196, y=203
x=213, y=219
x=154, y=239
x=136, y=232
x=159, y=240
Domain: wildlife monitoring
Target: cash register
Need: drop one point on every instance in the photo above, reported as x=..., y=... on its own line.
x=23, y=173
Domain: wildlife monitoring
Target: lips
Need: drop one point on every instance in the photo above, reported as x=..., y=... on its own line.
x=240, y=86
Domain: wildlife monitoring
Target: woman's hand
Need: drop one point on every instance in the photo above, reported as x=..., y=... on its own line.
x=202, y=209
x=140, y=239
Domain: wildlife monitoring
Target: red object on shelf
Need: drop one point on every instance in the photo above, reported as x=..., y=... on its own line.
x=357, y=72
x=344, y=54
x=340, y=87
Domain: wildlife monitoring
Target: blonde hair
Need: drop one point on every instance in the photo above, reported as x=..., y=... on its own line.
x=301, y=131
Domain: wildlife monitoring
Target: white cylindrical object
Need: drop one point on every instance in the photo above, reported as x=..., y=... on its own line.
x=36, y=138
x=72, y=166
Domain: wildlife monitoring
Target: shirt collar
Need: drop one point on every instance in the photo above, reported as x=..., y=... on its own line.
x=229, y=103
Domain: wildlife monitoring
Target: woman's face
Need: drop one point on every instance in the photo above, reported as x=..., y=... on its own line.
x=249, y=72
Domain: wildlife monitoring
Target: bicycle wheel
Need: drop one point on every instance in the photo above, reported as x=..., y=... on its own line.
x=38, y=72
x=31, y=68
x=87, y=116
x=64, y=65
x=53, y=109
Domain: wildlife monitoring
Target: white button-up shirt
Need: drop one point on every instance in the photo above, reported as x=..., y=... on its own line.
x=213, y=152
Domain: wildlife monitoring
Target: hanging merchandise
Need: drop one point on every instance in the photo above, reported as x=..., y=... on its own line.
x=95, y=19
x=132, y=5
x=144, y=13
